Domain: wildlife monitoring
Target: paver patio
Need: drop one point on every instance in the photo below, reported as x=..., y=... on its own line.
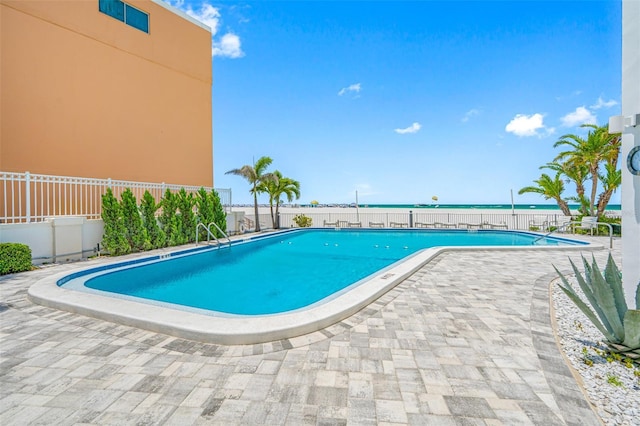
x=467, y=340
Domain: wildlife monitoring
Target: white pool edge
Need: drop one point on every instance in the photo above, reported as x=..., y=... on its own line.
x=243, y=330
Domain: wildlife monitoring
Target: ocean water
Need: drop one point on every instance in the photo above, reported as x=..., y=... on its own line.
x=573, y=207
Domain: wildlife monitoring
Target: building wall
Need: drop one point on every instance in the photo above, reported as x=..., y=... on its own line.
x=630, y=195
x=84, y=94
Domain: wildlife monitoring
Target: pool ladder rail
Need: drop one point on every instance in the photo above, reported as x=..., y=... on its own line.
x=571, y=225
x=211, y=235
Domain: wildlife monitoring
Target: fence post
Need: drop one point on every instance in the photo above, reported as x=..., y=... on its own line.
x=27, y=181
x=410, y=218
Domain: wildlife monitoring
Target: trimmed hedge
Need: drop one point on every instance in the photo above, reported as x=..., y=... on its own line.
x=14, y=257
x=131, y=228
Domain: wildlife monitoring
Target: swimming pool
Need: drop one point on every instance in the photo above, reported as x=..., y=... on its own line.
x=289, y=282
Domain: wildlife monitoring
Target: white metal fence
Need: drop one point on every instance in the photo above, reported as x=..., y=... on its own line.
x=27, y=197
x=486, y=220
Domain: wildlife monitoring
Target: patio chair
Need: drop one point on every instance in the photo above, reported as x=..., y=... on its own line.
x=376, y=224
x=588, y=222
x=538, y=224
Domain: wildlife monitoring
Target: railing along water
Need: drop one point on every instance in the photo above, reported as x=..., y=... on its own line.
x=27, y=197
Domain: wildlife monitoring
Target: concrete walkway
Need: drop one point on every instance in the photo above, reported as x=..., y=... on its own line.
x=467, y=340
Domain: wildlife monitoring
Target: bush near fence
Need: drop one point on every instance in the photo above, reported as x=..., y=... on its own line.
x=14, y=257
x=125, y=230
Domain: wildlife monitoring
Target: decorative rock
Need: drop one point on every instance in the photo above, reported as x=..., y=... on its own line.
x=612, y=388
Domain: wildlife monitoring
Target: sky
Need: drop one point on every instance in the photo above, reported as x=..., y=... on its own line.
x=402, y=101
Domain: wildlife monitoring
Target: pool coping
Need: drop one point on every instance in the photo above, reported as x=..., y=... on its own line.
x=243, y=330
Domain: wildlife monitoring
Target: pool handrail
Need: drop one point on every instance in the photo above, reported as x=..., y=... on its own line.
x=211, y=234
x=572, y=223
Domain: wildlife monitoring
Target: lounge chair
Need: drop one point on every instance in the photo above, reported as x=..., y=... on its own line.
x=424, y=225
x=465, y=225
x=376, y=224
x=355, y=224
x=497, y=226
x=398, y=225
x=446, y=225
x=331, y=224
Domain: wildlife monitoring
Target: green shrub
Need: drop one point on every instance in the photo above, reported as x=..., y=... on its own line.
x=169, y=220
x=136, y=234
x=14, y=257
x=205, y=212
x=185, y=203
x=219, y=215
x=302, y=221
x=615, y=223
x=148, y=208
x=113, y=238
x=607, y=308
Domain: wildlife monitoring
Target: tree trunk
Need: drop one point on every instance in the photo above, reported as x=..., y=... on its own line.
x=563, y=206
x=594, y=190
x=603, y=201
x=255, y=208
x=273, y=218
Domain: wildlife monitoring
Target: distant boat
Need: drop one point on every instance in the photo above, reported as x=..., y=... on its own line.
x=532, y=207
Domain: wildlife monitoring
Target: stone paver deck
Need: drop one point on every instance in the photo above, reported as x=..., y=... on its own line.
x=467, y=340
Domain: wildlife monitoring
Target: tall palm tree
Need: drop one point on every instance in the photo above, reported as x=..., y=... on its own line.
x=276, y=189
x=549, y=188
x=255, y=175
x=597, y=148
x=578, y=174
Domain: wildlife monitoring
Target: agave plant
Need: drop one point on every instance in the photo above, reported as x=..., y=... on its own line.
x=619, y=325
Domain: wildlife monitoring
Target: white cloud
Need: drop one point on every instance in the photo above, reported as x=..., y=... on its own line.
x=528, y=125
x=471, y=113
x=355, y=88
x=580, y=116
x=207, y=14
x=411, y=129
x=229, y=46
x=601, y=103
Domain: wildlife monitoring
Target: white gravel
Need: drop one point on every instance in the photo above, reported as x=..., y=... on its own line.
x=616, y=404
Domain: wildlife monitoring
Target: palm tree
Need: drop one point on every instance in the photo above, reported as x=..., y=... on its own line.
x=549, y=188
x=255, y=175
x=578, y=174
x=598, y=147
x=278, y=187
x=610, y=182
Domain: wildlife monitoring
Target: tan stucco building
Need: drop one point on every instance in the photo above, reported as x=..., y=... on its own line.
x=105, y=89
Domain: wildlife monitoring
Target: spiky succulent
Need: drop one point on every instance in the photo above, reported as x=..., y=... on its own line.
x=608, y=312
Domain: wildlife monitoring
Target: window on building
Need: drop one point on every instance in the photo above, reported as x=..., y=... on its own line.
x=126, y=13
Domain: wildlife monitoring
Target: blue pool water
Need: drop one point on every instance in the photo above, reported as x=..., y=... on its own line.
x=286, y=271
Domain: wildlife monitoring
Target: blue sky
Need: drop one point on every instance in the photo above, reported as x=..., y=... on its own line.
x=402, y=101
